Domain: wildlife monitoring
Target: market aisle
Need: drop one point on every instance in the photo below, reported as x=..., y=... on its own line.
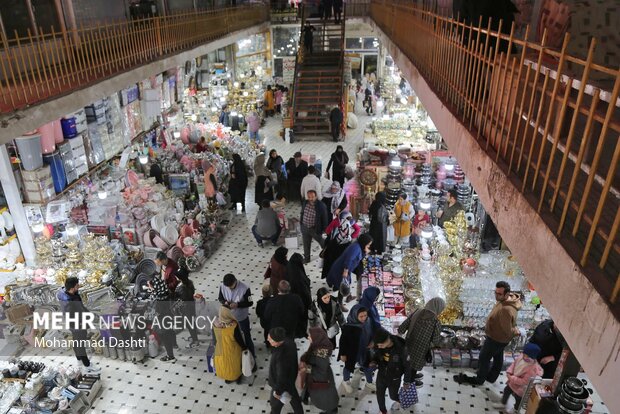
x=186, y=386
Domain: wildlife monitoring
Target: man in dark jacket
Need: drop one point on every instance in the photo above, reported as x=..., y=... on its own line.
x=335, y=120
x=391, y=359
x=286, y=311
x=71, y=304
x=296, y=169
x=283, y=372
x=313, y=222
x=550, y=340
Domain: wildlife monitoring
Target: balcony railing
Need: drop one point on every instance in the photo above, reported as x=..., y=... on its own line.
x=538, y=112
x=38, y=67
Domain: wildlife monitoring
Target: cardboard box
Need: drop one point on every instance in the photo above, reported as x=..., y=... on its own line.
x=17, y=313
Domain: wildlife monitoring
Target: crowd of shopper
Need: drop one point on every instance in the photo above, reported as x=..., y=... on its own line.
x=291, y=308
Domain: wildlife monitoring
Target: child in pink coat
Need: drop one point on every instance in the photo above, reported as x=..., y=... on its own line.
x=520, y=373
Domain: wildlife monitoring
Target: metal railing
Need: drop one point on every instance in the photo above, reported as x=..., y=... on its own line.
x=38, y=67
x=538, y=112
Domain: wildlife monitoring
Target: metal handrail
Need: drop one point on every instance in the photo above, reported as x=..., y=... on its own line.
x=40, y=66
x=538, y=112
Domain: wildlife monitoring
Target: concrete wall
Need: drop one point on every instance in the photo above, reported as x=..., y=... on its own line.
x=582, y=316
x=16, y=124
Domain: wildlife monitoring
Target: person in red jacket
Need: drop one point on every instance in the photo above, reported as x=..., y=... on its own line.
x=523, y=369
x=169, y=269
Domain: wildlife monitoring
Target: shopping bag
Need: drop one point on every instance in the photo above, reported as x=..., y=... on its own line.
x=408, y=396
x=390, y=233
x=247, y=363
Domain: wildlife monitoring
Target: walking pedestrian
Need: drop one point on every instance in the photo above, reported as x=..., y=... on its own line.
x=261, y=305
x=283, y=369
x=379, y=221
x=309, y=38
x=253, y=122
x=311, y=183
x=313, y=222
x=335, y=199
x=338, y=160
x=423, y=330
x=356, y=336
x=160, y=294
x=184, y=292
x=236, y=295
x=326, y=314
x=275, y=164
x=286, y=311
x=500, y=329
x=299, y=280
x=338, y=235
x=369, y=297
x=335, y=121
x=519, y=373
x=168, y=269
x=238, y=182
x=296, y=170
x=276, y=271
x=268, y=102
x=263, y=187
x=315, y=365
x=72, y=306
x=340, y=271
x=390, y=357
x=229, y=345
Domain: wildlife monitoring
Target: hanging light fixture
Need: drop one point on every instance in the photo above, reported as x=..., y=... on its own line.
x=143, y=160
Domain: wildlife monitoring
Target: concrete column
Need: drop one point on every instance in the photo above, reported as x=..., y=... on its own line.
x=11, y=192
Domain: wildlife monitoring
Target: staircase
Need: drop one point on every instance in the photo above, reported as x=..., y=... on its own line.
x=318, y=85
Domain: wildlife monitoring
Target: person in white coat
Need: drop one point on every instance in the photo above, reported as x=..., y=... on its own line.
x=311, y=182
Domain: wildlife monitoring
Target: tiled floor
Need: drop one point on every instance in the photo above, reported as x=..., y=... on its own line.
x=186, y=386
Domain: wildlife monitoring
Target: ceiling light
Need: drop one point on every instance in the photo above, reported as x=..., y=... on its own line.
x=143, y=160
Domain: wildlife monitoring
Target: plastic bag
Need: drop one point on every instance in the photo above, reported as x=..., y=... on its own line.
x=390, y=233
x=247, y=363
x=408, y=396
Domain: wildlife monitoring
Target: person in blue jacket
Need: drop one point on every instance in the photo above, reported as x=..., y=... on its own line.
x=369, y=297
x=348, y=262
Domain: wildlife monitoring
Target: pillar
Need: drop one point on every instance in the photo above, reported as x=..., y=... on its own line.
x=14, y=202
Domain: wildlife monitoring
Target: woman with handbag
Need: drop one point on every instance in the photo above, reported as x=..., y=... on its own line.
x=326, y=314
x=315, y=367
x=339, y=234
x=423, y=330
x=185, y=294
x=340, y=271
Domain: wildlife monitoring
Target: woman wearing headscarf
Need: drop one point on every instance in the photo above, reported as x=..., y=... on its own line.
x=379, y=221
x=269, y=102
x=353, y=350
x=422, y=329
x=275, y=165
x=319, y=384
x=229, y=345
x=327, y=314
x=335, y=199
x=238, y=182
x=277, y=269
x=340, y=234
x=263, y=186
x=209, y=178
x=185, y=292
x=340, y=272
x=369, y=297
x=299, y=280
x=339, y=160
